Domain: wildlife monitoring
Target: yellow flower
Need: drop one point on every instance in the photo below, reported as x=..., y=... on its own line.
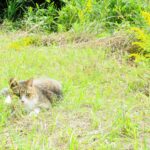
x=137, y=57
x=89, y=6
x=15, y=46
x=23, y=42
x=139, y=44
x=146, y=16
x=140, y=35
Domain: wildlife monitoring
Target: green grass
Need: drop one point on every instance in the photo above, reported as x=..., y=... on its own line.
x=104, y=106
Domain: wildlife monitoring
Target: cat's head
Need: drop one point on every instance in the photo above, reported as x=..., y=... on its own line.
x=23, y=89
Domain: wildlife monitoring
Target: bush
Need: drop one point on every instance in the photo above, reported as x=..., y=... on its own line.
x=128, y=10
x=72, y=13
x=67, y=17
x=40, y=18
x=142, y=42
x=108, y=13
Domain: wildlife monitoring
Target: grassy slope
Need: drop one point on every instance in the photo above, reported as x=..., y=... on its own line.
x=104, y=103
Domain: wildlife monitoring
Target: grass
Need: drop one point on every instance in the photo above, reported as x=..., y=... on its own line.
x=104, y=106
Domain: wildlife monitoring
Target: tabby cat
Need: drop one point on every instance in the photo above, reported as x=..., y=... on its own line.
x=36, y=93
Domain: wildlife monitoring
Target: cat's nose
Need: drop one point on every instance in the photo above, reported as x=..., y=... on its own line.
x=22, y=100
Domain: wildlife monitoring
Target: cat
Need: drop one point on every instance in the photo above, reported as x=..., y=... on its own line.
x=36, y=93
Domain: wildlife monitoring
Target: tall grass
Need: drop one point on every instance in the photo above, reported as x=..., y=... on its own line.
x=13, y=8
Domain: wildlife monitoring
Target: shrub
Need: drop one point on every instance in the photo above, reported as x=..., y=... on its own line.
x=108, y=13
x=142, y=42
x=40, y=18
x=128, y=10
x=67, y=16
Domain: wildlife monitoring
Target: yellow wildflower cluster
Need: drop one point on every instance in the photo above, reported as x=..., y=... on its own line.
x=15, y=46
x=23, y=42
x=143, y=40
x=140, y=35
x=84, y=13
x=89, y=6
x=146, y=16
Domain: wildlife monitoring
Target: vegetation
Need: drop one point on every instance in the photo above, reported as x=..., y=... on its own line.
x=100, y=52
x=106, y=13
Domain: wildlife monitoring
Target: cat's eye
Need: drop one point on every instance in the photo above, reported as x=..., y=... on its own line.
x=16, y=92
x=28, y=94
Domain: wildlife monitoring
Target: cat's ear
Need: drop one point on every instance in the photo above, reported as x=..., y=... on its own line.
x=13, y=82
x=29, y=82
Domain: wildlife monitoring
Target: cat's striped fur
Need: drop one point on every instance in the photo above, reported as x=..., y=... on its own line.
x=40, y=92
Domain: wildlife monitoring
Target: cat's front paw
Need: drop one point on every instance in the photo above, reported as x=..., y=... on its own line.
x=35, y=112
x=8, y=99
